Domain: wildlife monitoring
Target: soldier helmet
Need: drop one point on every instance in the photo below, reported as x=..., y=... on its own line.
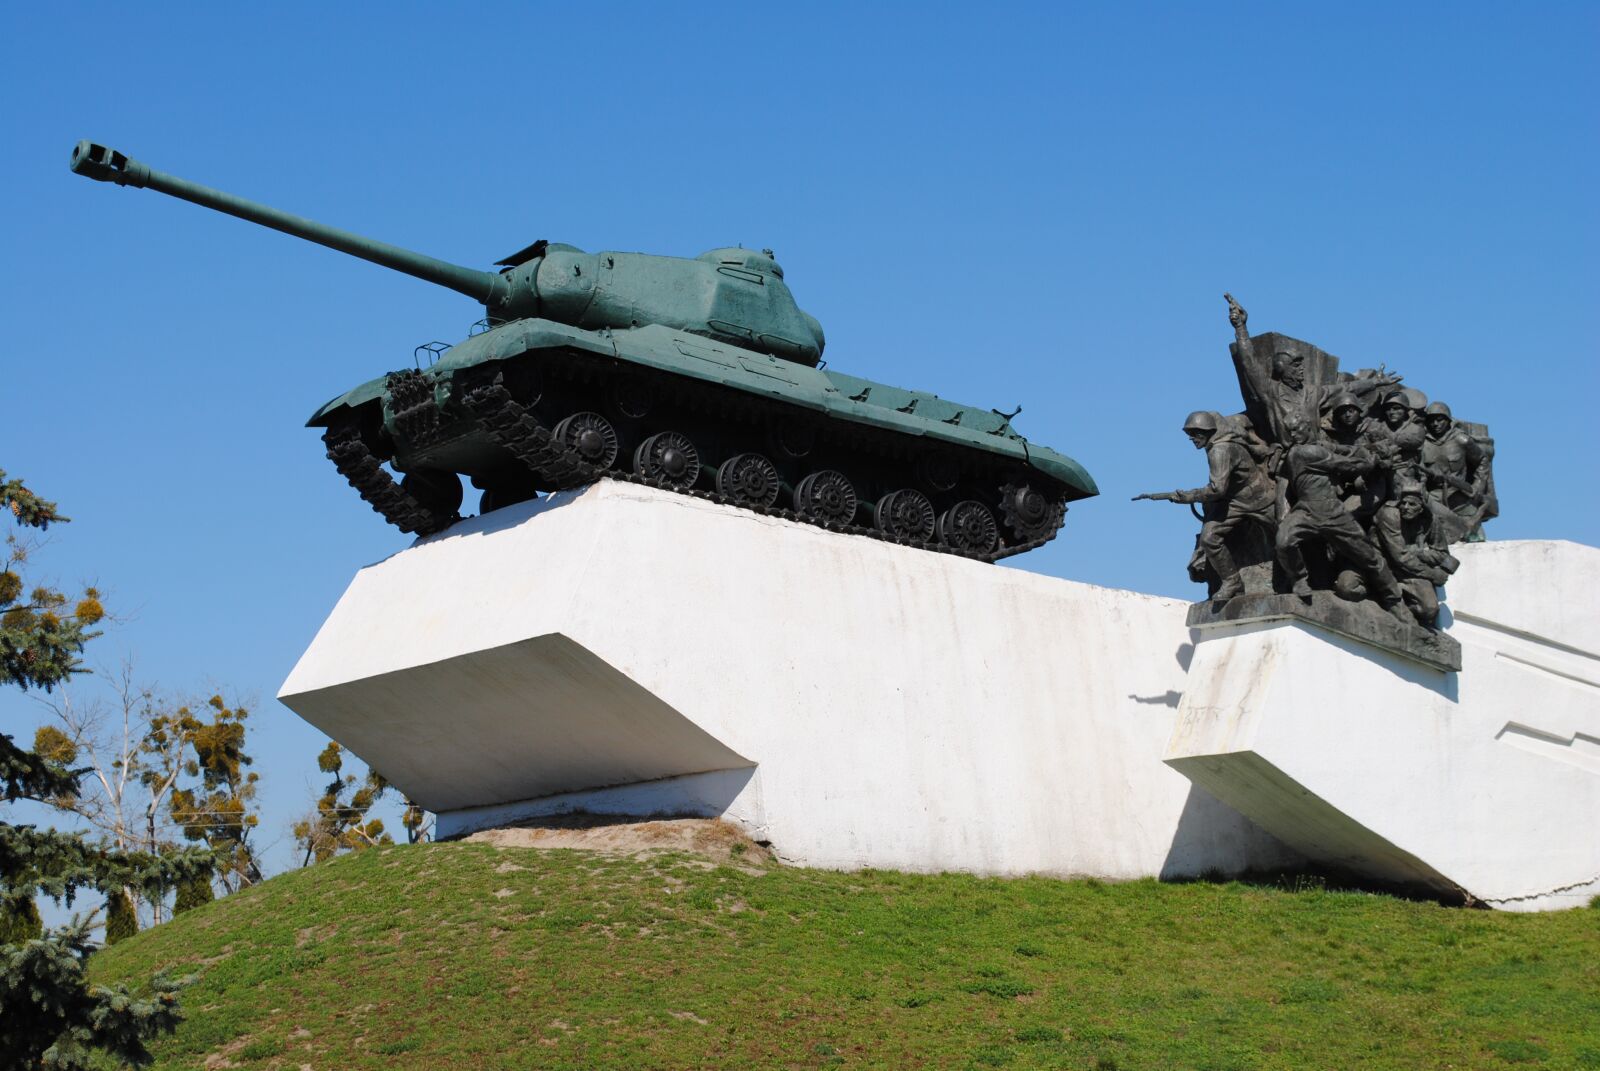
x=1437, y=409
x=1414, y=397
x=1406, y=487
x=1397, y=397
x=1201, y=420
x=1343, y=400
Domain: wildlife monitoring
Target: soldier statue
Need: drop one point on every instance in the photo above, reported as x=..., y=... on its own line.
x=1240, y=493
x=1354, y=486
x=1316, y=474
x=1454, y=465
x=1403, y=430
x=1411, y=539
x=1349, y=429
x=1293, y=406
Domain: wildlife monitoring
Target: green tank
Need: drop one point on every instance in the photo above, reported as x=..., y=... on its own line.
x=700, y=376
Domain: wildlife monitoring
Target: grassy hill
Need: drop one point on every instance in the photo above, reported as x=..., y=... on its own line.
x=477, y=956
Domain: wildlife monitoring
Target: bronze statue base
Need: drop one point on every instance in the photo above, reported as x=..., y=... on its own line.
x=1363, y=621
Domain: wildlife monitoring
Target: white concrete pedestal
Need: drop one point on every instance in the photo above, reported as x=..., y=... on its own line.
x=854, y=703
x=623, y=650
x=1484, y=782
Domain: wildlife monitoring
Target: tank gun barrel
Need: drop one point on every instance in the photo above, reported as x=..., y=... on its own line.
x=107, y=165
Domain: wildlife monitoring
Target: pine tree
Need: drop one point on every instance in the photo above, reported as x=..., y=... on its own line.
x=49, y=1015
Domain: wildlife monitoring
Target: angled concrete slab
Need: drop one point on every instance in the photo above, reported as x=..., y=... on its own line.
x=1484, y=782
x=533, y=718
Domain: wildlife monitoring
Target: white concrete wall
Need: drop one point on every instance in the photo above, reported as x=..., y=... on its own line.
x=1486, y=781
x=904, y=709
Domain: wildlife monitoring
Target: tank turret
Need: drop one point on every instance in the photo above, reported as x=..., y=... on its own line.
x=698, y=375
x=733, y=295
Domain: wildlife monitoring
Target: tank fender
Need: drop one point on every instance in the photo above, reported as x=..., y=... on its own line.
x=368, y=393
x=520, y=336
x=1064, y=469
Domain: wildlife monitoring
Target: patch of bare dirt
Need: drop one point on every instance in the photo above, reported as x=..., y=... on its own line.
x=711, y=838
x=223, y=1058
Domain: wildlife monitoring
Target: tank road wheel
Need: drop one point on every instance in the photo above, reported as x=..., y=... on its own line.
x=749, y=480
x=969, y=527
x=590, y=436
x=437, y=492
x=668, y=457
x=905, y=514
x=1028, y=512
x=826, y=498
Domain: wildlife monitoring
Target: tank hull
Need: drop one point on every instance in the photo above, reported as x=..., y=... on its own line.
x=492, y=409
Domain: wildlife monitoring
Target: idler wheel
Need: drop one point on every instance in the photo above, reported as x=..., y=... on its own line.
x=969, y=527
x=826, y=497
x=749, y=480
x=668, y=457
x=904, y=514
x=591, y=436
x=437, y=492
x=1027, y=512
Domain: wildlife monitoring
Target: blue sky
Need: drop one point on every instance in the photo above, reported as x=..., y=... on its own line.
x=1001, y=203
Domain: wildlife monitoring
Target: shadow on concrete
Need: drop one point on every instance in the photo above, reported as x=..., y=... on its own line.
x=1210, y=832
x=1446, y=684
x=700, y=795
x=1214, y=840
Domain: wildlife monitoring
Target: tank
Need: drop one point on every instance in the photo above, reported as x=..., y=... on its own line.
x=700, y=376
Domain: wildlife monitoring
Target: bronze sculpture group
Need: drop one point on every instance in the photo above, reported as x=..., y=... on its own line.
x=1327, y=481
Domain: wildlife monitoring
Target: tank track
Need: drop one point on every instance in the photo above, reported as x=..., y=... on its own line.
x=415, y=414
x=357, y=464
x=516, y=430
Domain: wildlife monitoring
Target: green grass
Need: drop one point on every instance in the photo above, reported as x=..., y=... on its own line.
x=447, y=956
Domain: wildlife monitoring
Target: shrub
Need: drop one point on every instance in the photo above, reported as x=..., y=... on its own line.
x=193, y=893
x=121, y=921
x=20, y=921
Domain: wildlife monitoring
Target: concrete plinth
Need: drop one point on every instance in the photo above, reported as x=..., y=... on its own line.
x=1484, y=782
x=855, y=703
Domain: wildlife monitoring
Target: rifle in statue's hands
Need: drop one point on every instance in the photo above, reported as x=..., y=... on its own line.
x=1450, y=480
x=1159, y=496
